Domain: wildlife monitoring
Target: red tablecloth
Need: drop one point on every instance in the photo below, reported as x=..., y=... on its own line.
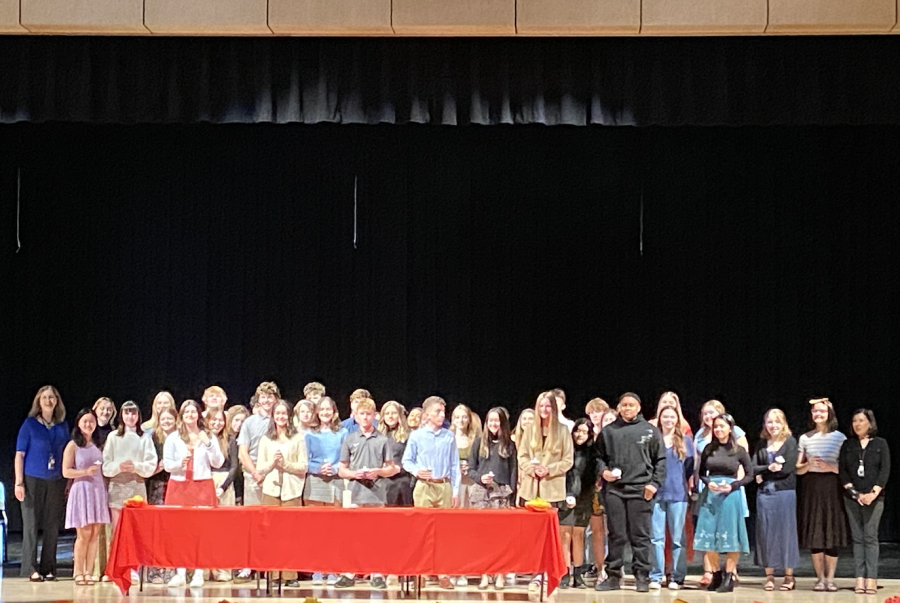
x=404, y=541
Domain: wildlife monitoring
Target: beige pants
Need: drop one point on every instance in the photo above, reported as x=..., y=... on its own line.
x=252, y=492
x=227, y=498
x=433, y=496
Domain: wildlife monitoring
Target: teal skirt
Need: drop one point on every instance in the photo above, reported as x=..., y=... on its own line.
x=720, y=523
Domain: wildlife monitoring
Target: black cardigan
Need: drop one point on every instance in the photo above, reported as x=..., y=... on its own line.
x=876, y=460
x=786, y=479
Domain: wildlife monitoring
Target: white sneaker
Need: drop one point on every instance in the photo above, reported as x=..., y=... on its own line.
x=674, y=585
x=135, y=577
x=318, y=579
x=462, y=581
x=197, y=579
x=332, y=579
x=511, y=579
x=655, y=585
x=177, y=581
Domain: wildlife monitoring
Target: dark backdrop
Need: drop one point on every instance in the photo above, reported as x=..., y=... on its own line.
x=490, y=264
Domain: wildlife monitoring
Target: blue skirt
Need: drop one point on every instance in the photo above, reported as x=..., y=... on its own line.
x=776, y=529
x=720, y=522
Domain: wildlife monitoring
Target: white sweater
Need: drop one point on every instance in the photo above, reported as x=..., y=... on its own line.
x=205, y=456
x=129, y=447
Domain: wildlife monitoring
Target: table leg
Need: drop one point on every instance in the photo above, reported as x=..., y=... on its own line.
x=542, y=587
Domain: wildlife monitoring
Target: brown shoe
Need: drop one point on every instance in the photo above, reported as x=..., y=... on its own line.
x=445, y=583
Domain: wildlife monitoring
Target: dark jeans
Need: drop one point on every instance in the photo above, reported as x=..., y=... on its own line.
x=629, y=521
x=45, y=501
x=864, y=522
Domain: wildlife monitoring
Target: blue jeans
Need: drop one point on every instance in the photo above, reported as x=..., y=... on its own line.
x=671, y=514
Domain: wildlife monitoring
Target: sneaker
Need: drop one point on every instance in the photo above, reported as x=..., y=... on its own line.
x=332, y=580
x=318, y=579
x=642, y=585
x=177, y=581
x=344, y=582
x=197, y=579
x=674, y=585
x=654, y=585
x=292, y=584
x=243, y=576
x=135, y=577
x=611, y=583
x=535, y=584
x=377, y=582
x=462, y=581
x=511, y=579
x=223, y=575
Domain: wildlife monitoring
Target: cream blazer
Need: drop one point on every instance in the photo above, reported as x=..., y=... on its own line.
x=553, y=485
x=286, y=484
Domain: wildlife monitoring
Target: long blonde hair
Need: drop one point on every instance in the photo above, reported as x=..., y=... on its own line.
x=519, y=431
x=153, y=421
x=555, y=430
x=677, y=432
x=720, y=409
x=474, y=428
x=785, y=431
x=400, y=433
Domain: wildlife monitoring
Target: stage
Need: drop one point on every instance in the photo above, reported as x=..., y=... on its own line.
x=19, y=590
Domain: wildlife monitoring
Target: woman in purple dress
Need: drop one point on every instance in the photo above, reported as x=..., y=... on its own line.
x=88, y=507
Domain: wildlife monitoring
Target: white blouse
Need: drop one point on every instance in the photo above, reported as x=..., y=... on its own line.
x=205, y=457
x=129, y=447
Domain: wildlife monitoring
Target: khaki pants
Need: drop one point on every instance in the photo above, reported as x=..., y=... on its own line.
x=252, y=492
x=433, y=496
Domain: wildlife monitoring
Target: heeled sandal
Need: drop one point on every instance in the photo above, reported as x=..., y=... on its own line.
x=789, y=583
x=770, y=582
x=80, y=581
x=706, y=579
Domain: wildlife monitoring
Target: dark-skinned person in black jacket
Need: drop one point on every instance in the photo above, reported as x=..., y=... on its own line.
x=631, y=459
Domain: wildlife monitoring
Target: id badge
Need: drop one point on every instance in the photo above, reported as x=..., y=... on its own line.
x=861, y=470
x=51, y=463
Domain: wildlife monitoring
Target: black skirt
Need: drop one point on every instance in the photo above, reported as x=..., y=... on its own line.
x=822, y=522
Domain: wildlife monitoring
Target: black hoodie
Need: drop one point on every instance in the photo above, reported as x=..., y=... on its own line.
x=637, y=448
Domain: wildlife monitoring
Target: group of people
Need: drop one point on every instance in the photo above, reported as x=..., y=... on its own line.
x=652, y=484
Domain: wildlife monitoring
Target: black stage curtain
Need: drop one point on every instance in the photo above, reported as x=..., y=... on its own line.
x=658, y=81
x=489, y=264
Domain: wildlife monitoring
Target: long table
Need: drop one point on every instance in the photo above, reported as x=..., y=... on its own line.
x=402, y=541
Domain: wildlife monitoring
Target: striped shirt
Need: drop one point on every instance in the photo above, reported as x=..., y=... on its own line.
x=826, y=446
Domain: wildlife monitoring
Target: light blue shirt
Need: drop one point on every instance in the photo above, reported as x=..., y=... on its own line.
x=323, y=447
x=435, y=450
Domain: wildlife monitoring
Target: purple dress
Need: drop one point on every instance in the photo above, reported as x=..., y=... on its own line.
x=88, y=502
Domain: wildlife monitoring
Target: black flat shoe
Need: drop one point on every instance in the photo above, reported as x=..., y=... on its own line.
x=50, y=578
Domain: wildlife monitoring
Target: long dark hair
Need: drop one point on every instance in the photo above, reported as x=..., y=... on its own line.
x=505, y=446
x=77, y=436
x=714, y=443
x=289, y=429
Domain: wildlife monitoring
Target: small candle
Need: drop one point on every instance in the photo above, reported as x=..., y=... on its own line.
x=346, y=499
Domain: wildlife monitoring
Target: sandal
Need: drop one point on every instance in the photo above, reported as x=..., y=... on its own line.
x=90, y=580
x=36, y=577
x=819, y=587
x=789, y=583
x=831, y=587
x=79, y=580
x=706, y=579
x=770, y=582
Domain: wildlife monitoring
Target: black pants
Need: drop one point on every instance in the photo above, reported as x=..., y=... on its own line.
x=43, y=507
x=628, y=521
